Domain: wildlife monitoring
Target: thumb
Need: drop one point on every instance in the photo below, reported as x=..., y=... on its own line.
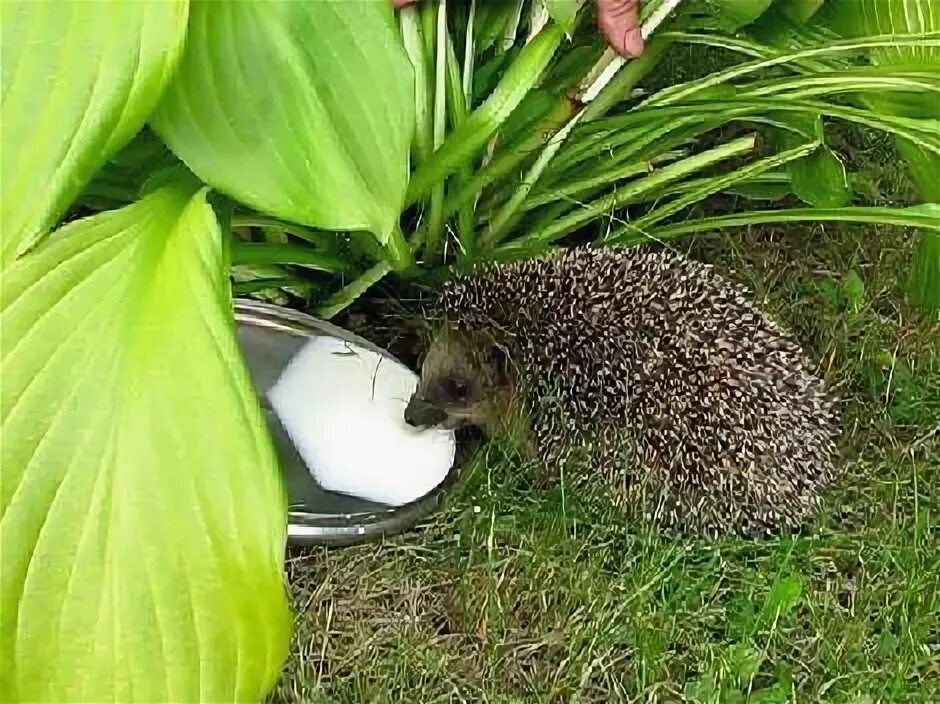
x=619, y=21
x=402, y=3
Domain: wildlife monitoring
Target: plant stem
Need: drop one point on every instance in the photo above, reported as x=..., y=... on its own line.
x=436, y=212
x=349, y=293
x=399, y=253
x=414, y=47
x=465, y=224
x=468, y=57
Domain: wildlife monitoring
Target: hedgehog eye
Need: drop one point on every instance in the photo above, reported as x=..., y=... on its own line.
x=456, y=387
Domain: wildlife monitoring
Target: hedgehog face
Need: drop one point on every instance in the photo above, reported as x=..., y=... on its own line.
x=464, y=380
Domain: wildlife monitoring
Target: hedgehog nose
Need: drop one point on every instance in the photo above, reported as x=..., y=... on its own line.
x=421, y=413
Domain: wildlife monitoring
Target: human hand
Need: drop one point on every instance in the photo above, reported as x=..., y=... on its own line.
x=618, y=20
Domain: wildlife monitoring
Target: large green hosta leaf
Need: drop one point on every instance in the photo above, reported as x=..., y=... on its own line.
x=303, y=110
x=862, y=18
x=141, y=514
x=78, y=81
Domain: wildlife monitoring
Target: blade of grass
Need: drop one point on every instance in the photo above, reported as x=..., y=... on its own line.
x=468, y=56
x=465, y=225
x=511, y=154
x=863, y=79
x=510, y=213
x=512, y=27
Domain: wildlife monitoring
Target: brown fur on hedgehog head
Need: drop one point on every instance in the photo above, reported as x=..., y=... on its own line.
x=467, y=379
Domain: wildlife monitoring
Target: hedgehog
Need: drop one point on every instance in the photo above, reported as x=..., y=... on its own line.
x=643, y=367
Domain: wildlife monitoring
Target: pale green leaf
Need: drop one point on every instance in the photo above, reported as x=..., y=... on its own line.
x=820, y=179
x=77, y=80
x=564, y=12
x=734, y=14
x=142, y=519
x=862, y=18
x=800, y=10
x=303, y=110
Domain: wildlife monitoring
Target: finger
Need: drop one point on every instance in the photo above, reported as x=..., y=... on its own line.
x=403, y=3
x=619, y=21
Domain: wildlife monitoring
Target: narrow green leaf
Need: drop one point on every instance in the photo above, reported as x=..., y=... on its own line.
x=784, y=596
x=466, y=141
x=710, y=186
x=264, y=253
x=303, y=110
x=924, y=284
x=606, y=177
x=77, y=80
x=642, y=186
x=923, y=133
x=509, y=214
x=926, y=215
x=683, y=91
x=142, y=518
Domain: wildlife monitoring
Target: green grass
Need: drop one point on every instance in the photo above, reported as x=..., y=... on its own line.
x=511, y=594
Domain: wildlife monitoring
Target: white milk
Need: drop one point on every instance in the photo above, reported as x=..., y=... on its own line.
x=343, y=407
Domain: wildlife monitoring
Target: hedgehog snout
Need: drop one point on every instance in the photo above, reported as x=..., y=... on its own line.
x=421, y=413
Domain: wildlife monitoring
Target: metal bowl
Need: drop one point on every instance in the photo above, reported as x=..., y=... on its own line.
x=270, y=336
